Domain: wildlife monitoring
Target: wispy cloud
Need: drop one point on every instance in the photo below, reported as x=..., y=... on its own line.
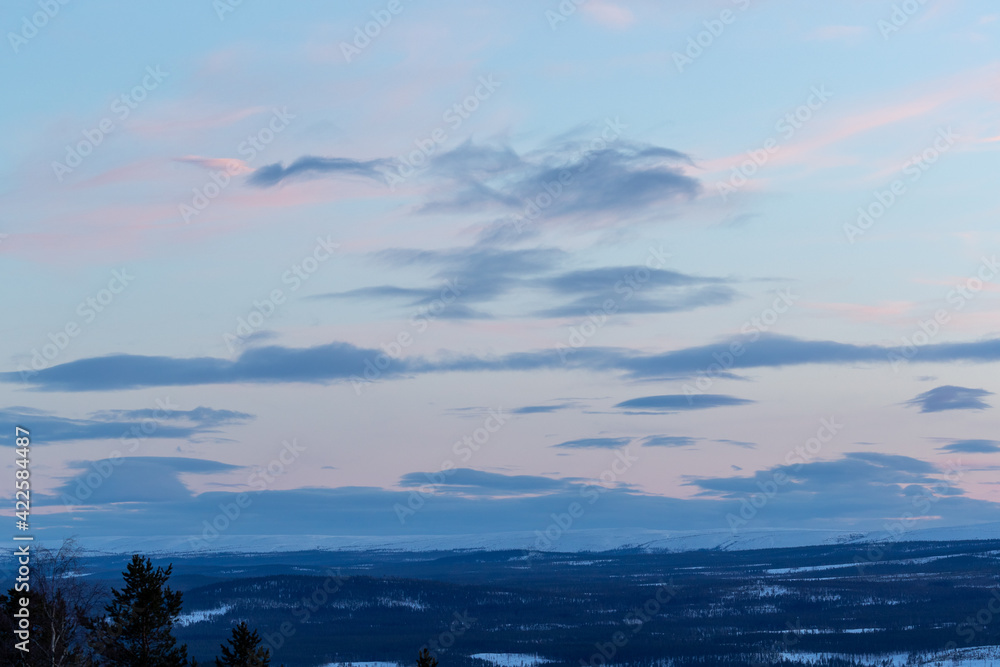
x=273, y=174
x=681, y=402
x=594, y=443
x=972, y=447
x=114, y=424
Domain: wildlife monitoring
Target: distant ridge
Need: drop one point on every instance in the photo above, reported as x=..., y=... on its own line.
x=573, y=541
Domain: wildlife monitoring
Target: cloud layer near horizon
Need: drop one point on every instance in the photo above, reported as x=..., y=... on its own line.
x=861, y=489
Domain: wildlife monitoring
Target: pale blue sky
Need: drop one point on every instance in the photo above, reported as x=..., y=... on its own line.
x=646, y=195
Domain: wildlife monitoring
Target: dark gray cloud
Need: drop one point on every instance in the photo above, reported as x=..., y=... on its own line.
x=950, y=397
x=275, y=173
x=113, y=424
x=972, y=447
x=673, y=402
x=594, y=443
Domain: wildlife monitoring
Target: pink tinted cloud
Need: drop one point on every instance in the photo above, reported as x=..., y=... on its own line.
x=232, y=165
x=832, y=133
x=171, y=125
x=609, y=14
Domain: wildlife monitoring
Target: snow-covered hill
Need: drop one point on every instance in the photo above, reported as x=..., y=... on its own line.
x=571, y=541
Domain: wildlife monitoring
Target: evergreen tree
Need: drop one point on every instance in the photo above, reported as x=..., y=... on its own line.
x=425, y=659
x=138, y=629
x=245, y=651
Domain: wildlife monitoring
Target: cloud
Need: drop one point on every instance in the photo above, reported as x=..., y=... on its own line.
x=563, y=180
x=672, y=402
x=272, y=174
x=134, y=480
x=604, y=174
x=972, y=447
x=774, y=351
x=854, y=492
x=539, y=409
x=116, y=424
x=669, y=441
x=634, y=289
x=478, y=482
x=231, y=165
x=323, y=363
x=464, y=278
x=478, y=274
x=950, y=397
x=609, y=14
x=335, y=362
x=862, y=485
x=594, y=443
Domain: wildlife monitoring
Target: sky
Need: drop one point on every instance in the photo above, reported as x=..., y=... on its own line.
x=396, y=268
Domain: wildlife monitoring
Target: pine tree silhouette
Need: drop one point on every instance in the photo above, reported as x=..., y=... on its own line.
x=138, y=629
x=246, y=650
x=425, y=659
